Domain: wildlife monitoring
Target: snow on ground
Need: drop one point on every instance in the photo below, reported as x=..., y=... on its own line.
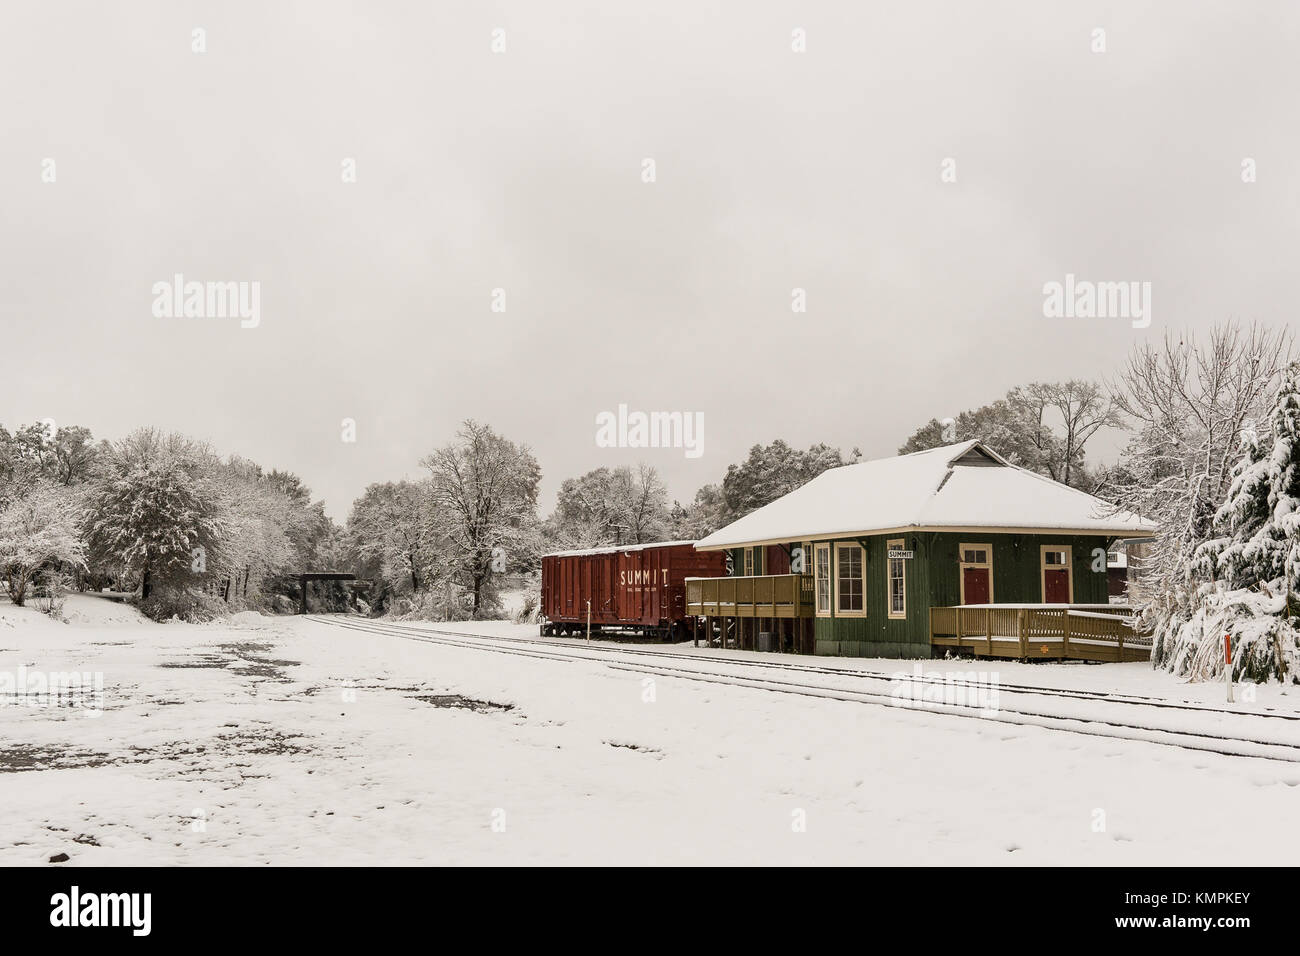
x=284, y=740
x=88, y=610
x=1137, y=679
x=512, y=601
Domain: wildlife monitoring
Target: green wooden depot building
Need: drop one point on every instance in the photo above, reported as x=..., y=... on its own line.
x=900, y=557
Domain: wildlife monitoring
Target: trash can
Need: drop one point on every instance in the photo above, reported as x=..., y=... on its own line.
x=764, y=640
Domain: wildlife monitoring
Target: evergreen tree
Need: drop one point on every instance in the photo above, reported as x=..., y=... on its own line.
x=1257, y=524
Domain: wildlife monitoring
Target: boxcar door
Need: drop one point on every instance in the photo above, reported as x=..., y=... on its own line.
x=628, y=599
x=567, y=587
x=599, y=585
x=585, y=583
x=609, y=597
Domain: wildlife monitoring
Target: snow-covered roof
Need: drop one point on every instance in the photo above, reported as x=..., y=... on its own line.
x=954, y=487
x=614, y=549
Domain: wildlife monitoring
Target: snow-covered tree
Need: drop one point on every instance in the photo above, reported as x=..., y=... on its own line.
x=41, y=453
x=483, y=504
x=1044, y=426
x=1011, y=426
x=770, y=472
x=255, y=518
x=391, y=537
x=609, y=507
x=311, y=532
x=1245, y=551
x=700, y=518
x=1187, y=402
x=155, y=510
x=1249, y=571
x=647, y=513
x=36, y=530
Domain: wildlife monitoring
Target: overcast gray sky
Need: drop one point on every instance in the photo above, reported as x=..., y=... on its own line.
x=522, y=170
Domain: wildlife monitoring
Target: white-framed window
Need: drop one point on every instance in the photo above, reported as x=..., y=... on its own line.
x=896, y=580
x=850, y=586
x=822, y=571
x=748, y=563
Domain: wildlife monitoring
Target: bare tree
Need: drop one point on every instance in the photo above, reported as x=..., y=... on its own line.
x=648, y=505
x=1085, y=408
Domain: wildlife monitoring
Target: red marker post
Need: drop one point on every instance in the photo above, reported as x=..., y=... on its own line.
x=1227, y=663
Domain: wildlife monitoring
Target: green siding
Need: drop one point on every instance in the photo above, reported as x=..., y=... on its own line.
x=933, y=581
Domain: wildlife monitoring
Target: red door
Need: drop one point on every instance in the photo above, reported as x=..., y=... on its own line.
x=777, y=561
x=1056, y=586
x=976, y=584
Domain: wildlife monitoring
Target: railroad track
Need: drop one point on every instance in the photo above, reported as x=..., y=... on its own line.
x=1094, y=726
x=784, y=665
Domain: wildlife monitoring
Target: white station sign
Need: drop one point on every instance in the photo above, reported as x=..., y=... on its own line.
x=899, y=553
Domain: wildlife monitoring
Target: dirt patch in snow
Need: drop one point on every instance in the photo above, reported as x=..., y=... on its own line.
x=244, y=659
x=458, y=702
x=209, y=661
x=240, y=743
x=18, y=758
x=251, y=663
x=639, y=748
x=246, y=648
x=261, y=742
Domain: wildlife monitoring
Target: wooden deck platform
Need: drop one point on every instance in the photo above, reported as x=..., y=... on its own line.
x=773, y=596
x=1078, y=632
x=763, y=612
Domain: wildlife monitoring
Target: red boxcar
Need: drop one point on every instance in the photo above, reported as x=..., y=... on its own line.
x=640, y=588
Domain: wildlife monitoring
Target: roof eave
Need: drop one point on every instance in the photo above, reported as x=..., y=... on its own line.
x=954, y=529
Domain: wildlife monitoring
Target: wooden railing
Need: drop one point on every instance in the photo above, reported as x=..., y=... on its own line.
x=1089, y=632
x=769, y=595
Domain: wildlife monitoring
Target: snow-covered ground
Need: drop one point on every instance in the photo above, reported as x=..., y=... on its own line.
x=1136, y=679
x=285, y=740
